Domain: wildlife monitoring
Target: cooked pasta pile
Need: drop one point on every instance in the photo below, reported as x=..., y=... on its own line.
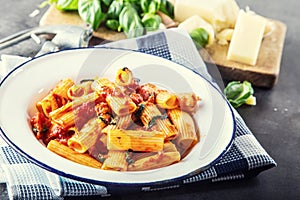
x=117, y=125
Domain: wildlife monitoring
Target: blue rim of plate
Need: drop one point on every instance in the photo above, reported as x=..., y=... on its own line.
x=99, y=182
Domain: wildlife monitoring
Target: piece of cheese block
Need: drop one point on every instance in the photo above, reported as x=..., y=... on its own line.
x=230, y=10
x=269, y=24
x=246, y=38
x=224, y=36
x=219, y=13
x=196, y=21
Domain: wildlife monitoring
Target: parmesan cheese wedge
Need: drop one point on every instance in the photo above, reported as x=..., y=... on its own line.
x=246, y=38
x=196, y=21
x=219, y=13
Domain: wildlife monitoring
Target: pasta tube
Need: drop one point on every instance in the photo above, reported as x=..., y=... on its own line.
x=99, y=83
x=184, y=123
x=56, y=98
x=188, y=101
x=116, y=160
x=161, y=159
x=66, y=115
x=79, y=90
x=123, y=122
x=122, y=105
x=166, y=100
x=87, y=136
x=124, y=77
x=152, y=118
x=66, y=152
x=47, y=105
x=135, y=140
x=62, y=88
x=169, y=147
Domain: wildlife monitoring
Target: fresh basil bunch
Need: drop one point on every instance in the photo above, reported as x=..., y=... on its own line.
x=134, y=17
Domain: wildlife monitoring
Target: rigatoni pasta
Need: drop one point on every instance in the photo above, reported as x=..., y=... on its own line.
x=184, y=123
x=87, y=136
x=56, y=98
x=135, y=140
x=119, y=125
x=152, y=118
x=66, y=152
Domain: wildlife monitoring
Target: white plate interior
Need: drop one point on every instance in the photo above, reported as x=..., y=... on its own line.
x=23, y=87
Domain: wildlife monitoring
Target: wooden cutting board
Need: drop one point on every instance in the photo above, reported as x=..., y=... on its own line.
x=264, y=74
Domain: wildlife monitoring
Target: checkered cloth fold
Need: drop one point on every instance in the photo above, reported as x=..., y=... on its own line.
x=245, y=158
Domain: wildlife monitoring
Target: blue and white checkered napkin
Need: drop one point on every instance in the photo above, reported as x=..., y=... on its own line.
x=245, y=158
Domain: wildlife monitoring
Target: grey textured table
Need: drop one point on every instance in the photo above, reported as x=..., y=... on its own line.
x=275, y=120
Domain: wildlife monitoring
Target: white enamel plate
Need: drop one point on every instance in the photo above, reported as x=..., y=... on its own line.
x=20, y=90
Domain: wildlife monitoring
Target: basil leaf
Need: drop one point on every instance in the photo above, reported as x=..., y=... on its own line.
x=65, y=5
x=115, y=9
x=138, y=113
x=128, y=158
x=238, y=93
x=167, y=8
x=130, y=21
x=90, y=11
x=152, y=122
x=200, y=37
x=151, y=21
x=150, y=6
x=112, y=24
x=233, y=89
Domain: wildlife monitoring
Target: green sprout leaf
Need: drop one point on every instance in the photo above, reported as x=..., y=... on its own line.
x=200, y=37
x=238, y=93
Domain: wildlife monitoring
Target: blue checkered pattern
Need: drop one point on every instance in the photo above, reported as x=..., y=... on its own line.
x=245, y=158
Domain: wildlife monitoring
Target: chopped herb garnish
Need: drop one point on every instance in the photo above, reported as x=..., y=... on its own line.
x=108, y=120
x=101, y=158
x=86, y=80
x=153, y=120
x=35, y=130
x=45, y=129
x=129, y=160
x=139, y=111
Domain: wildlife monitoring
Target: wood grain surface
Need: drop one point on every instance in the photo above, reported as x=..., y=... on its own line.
x=264, y=74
